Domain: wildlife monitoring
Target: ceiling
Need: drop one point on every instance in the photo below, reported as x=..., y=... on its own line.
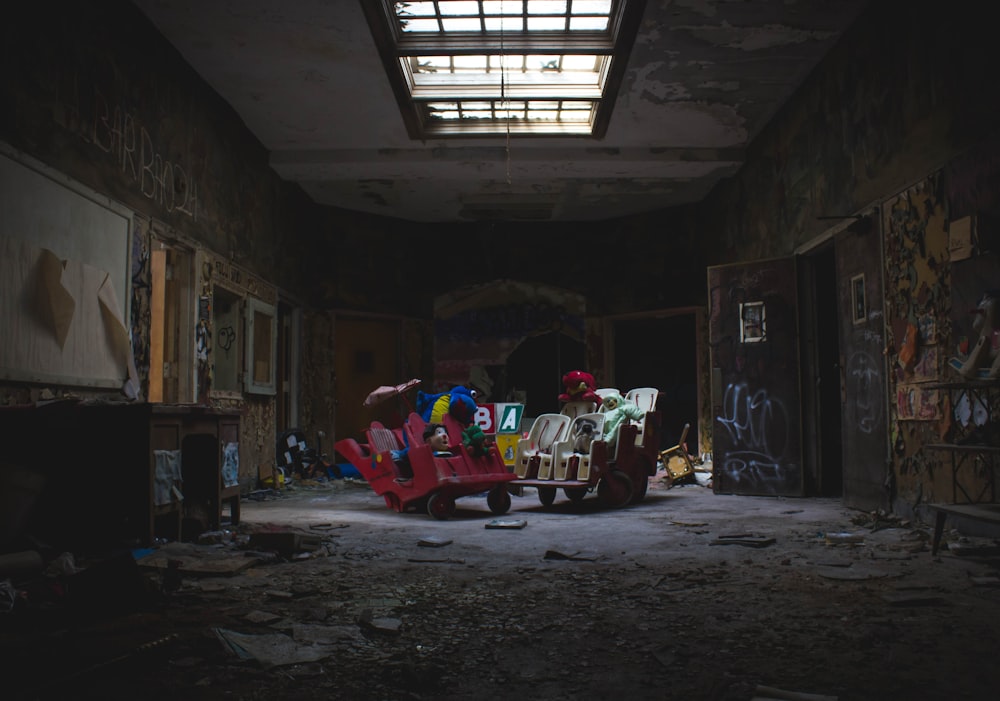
x=703, y=79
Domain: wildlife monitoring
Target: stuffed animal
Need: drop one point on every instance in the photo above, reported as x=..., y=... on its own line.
x=475, y=441
x=580, y=387
x=459, y=402
x=586, y=434
x=617, y=410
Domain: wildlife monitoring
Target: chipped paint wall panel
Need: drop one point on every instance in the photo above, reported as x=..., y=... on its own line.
x=917, y=303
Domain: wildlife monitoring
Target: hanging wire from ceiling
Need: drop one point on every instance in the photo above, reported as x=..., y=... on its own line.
x=504, y=97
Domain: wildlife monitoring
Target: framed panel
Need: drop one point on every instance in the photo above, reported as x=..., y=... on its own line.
x=859, y=303
x=753, y=322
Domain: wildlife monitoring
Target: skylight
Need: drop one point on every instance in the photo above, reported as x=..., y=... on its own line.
x=502, y=67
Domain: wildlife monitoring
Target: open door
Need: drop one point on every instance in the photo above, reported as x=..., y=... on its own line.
x=756, y=436
x=864, y=398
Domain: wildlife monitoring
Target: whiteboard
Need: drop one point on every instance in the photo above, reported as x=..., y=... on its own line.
x=46, y=216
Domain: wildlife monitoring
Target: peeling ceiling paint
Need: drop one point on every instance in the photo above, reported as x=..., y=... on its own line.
x=703, y=79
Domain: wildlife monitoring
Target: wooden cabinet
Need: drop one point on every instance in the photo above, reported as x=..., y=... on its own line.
x=126, y=473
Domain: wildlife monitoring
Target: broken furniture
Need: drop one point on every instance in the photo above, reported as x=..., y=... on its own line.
x=682, y=467
x=125, y=472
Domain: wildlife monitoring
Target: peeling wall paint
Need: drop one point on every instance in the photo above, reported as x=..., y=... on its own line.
x=917, y=285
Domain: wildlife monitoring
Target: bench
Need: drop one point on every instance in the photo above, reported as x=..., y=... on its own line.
x=987, y=513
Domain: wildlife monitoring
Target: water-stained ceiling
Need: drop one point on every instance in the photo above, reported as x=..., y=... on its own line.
x=703, y=79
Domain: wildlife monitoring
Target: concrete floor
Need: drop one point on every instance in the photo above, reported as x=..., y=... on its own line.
x=686, y=595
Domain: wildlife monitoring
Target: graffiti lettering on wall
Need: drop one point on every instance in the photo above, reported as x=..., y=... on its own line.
x=116, y=132
x=864, y=379
x=758, y=428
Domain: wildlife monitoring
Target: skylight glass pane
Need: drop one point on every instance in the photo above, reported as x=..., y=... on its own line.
x=506, y=24
x=588, y=24
x=507, y=16
x=506, y=7
x=459, y=7
x=455, y=92
x=420, y=25
x=470, y=63
x=415, y=9
x=591, y=7
x=546, y=7
x=576, y=112
x=546, y=24
x=461, y=24
x=581, y=62
x=448, y=73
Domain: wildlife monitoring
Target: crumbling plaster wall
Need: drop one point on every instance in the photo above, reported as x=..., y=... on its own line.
x=875, y=126
x=888, y=106
x=91, y=90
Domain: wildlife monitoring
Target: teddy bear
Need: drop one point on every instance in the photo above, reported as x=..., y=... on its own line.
x=618, y=410
x=475, y=441
x=580, y=387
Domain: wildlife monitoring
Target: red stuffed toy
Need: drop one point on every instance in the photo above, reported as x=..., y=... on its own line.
x=580, y=387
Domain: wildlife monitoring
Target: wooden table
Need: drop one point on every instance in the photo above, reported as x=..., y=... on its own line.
x=987, y=513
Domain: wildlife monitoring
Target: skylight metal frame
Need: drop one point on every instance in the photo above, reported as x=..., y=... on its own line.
x=422, y=95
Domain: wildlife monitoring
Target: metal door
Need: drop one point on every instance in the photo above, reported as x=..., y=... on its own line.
x=863, y=419
x=756, y=437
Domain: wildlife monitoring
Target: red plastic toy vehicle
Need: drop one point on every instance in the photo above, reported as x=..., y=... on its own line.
x=436, y=481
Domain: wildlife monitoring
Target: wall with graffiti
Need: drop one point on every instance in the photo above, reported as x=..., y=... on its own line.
x=752, y=322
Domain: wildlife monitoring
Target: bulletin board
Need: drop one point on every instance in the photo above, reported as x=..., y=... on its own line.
x=64, y=272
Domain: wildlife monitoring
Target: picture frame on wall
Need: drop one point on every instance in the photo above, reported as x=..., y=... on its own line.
x=753, y=322
x=859, y=305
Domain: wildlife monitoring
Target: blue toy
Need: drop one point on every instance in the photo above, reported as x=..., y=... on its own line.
x=458, y=401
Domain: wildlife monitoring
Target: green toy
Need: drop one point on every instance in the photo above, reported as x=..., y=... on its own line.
x=475, y=441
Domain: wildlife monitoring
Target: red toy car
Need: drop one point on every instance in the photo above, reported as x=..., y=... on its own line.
x=436, y=481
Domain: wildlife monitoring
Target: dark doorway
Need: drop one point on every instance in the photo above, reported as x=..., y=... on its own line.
x=534, y=371
x=661, y=352
x=821, y=376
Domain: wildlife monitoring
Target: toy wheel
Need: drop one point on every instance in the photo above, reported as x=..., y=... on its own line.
x=440, y=506
x=498, y=500
x=641, y=484
x=615, y=489
x=575, y=494
x=639, y=493
x=546, y=495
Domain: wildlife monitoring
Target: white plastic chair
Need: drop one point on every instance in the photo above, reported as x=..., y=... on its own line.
x=645, y=399
x=575, y=409
x=564, y=451
x=545, y=431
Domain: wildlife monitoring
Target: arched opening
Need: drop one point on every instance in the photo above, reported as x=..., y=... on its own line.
x=533, y=372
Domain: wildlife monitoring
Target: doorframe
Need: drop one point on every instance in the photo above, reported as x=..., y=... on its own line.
x=873, y=210
x=702, y=361
x=815, y=377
